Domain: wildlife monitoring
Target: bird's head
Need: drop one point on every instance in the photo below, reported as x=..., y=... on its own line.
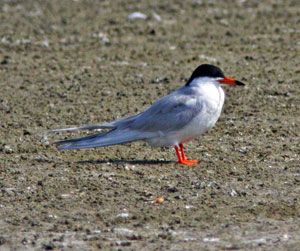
x=211, y=72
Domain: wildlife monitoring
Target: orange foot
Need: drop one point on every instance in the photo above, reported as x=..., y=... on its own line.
x=188, y=162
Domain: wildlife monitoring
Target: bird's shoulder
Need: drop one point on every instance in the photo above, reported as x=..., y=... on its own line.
x=181, y=99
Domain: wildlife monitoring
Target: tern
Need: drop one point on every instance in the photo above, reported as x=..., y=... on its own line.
x=171, y=121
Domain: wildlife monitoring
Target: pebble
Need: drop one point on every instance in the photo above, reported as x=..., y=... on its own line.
x=159, y=200
x=137, y=15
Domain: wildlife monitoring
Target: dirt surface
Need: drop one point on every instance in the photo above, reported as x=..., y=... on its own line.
x=65, y=63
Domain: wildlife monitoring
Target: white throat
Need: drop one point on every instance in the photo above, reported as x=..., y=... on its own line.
x=208, y=88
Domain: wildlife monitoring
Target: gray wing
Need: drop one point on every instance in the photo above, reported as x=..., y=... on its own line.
x=170, y=113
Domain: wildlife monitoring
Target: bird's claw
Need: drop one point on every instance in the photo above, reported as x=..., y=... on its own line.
x=188, y=162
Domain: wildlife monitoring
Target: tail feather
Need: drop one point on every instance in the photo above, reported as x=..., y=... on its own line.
x=84, y=127
x=113, y=137
x=123, y=122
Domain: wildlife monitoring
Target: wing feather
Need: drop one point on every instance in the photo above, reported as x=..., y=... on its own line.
x=170, y=113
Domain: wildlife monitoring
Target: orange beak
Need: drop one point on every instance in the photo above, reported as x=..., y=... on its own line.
x=230, y=81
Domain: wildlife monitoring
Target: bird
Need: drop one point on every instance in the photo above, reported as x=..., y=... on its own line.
x=171, y=121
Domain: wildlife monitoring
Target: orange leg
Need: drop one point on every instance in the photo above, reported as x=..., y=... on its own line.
x=182, y=159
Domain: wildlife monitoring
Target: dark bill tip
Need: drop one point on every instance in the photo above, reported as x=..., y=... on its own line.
x=239, y=83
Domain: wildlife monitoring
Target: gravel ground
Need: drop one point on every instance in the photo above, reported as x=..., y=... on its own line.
x=65, y=63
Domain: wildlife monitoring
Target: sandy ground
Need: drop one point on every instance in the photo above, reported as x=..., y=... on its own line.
x=65, y=63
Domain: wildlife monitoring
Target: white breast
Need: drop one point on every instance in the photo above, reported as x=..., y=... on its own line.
x=212, y=97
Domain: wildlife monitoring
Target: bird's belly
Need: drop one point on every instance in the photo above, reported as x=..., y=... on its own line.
x=199, y=125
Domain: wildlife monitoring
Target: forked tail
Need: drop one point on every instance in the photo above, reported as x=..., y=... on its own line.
x=113, y=137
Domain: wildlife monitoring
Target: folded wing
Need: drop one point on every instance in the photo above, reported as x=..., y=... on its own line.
x=171, y=113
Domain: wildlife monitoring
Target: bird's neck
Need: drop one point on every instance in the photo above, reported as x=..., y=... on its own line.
x=208, y=89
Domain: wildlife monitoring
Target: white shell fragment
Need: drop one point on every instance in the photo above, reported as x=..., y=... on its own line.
x=137, y=15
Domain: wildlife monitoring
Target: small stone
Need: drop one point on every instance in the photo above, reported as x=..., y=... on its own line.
x=7, y=149
x=45, y=43
x=189, y=206
x=123, y=243
x=233, y=193
x=123, y=215
x=136, y=15
x=159, y=200
x=156, y=16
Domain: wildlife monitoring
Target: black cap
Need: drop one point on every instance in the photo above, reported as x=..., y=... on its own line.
x=206, y=70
